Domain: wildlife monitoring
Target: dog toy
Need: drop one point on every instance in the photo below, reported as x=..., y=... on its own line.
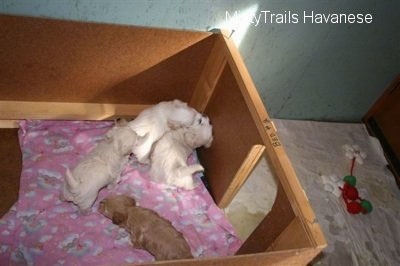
x=347, y=186
x=354, y=203
x=350, y=195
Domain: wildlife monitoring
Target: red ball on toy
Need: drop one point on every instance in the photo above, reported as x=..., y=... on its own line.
x=349, y=192
x=354, y=203
x=354, y=207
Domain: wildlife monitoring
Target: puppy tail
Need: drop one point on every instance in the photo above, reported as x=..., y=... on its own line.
x=71, y=182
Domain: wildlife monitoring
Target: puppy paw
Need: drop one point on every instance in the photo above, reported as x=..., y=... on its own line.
x=196, y=168
x=190, y=187
x=62, y=198
x=85, y=211
x=112, y=186
x=186, y=182
x=114, y=182
x=65, y=196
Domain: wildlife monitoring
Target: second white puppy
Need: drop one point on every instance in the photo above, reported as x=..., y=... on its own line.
x=158, y=119
x=169, y=157
x=101, y=167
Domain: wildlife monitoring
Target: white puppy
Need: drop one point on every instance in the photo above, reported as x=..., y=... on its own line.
x=169, y=157
x=157, y=120
x=101, y=167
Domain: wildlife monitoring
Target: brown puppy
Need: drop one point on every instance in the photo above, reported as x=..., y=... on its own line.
x=147, y=229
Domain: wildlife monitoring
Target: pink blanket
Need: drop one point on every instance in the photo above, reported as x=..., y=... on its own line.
x=40, y=229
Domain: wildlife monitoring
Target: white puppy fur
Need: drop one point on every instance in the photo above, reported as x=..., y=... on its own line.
x=157, y=120
x=169, y=157
x=101, y=167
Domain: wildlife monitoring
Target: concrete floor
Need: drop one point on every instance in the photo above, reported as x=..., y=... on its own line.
x=253, y=201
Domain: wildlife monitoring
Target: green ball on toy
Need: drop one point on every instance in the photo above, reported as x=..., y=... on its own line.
x=366, y=206
x=351, y=180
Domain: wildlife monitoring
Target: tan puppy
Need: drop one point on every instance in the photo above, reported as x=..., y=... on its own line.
x=147, y=229
x=101, y=167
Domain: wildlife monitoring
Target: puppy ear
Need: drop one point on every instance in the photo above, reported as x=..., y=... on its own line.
x=101, y=207
x=179, y=103
x=129, y=202
x=190, y=139
x=208, y=144
x=172, y=124
x=132, y=202
x=120, y=122
x=118, y=218
x=109, y=135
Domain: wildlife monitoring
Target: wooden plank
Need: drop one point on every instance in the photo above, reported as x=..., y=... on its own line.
x=10, y=168
x=293, y=257
x=242, y=174
x=294, y=236
x=8, y=123
x=280, y=161
x=380, y=102
x=15, y=110
x=383, y=121
x=208, y=80
x=52, y=60
x=274, y=223
x=234, y=131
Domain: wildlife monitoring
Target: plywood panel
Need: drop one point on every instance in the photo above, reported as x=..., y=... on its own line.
x=293, y=257
x=383, y=121
x=274, y=148
x=294, y=236
x=241, y=176
x=65, y=61
x=234, y=133
x=67, y=111
x=388, y=119
x=10, y=168
x=280, y=216
x=209, y=77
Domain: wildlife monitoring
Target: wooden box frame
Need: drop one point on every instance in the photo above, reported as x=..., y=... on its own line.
x=383, y=121
x=54, y=69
